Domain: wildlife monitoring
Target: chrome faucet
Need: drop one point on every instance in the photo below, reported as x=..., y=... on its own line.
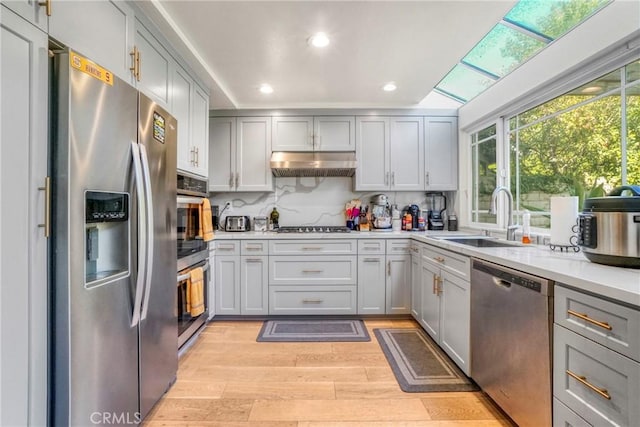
x=511, y=229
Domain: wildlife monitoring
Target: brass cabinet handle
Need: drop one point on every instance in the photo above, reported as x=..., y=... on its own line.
x=253, y=248
x=312, y=271
x=312, y=301
x=47, y=5
x=310, y=248
x=253, y=259
x=386, y=179
x=389, y=268
x=135, y=59
x=439, y=259
x=393, y=178
x=370, y=260
x=438, y=285
x=584, y=316
x=237, y=179
x=47, y=206
x=583, y=380
x=427, y=178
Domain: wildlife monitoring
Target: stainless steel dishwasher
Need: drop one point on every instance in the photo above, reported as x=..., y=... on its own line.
x=511, y=338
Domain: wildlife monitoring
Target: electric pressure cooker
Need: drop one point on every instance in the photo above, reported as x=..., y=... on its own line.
x=609, y=228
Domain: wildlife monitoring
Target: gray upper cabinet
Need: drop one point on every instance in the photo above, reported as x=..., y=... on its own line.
x=320, y=133
x=101, y=30
x=31, y=10
x=190, y=106
x=240, y=150
x=23, y=265
x=152, y=66
x=441, y=156
x=390, y=153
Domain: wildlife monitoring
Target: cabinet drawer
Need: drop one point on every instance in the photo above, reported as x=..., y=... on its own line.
x=371, y=247
x=594, y=381
x=312, y=247
x=398, y=246
x=605, y=322
x=312, y=300
x=449, y=261
x=227, y=247
x=325, y=270
x=565, y=417
x=255, y=247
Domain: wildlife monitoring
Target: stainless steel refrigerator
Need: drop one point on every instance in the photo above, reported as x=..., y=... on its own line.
x=114, y=300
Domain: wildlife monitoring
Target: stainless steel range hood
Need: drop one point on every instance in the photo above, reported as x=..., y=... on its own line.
x=289, y=164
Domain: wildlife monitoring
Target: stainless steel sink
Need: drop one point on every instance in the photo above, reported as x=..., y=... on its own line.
x=482, y=242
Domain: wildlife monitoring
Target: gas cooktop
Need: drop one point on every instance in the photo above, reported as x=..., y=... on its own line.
x=314, y=229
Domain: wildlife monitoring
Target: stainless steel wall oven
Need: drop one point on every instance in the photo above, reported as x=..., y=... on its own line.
x=192, y=252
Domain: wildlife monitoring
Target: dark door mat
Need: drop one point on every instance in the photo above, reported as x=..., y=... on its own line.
x=313, y=330
x=419, y=364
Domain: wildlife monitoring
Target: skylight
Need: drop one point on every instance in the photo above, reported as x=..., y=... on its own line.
x=528, y=28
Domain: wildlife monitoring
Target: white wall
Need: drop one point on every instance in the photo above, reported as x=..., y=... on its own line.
x=597, y=36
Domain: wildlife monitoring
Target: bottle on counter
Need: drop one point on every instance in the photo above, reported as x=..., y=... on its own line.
x=526, y=227
x=274, y=217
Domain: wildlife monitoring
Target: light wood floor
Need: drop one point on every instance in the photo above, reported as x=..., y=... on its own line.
x=229, y=379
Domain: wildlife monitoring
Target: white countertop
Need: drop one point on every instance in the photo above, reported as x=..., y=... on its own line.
x=573, y=269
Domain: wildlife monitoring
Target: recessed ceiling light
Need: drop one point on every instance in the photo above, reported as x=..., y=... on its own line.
x=266, y=88
x=319, y=40
x=389, y=87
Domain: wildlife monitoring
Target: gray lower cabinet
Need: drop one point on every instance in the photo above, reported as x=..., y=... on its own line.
x=444, y=292
x=371, y=284
x=254, y=290
x=398, y=288
x=23, y=265
x=416, y=285
x=227, y=286
x=312, y=299
x=596, y=362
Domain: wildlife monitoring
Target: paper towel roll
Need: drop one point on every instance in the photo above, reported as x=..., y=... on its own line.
x=564, y=214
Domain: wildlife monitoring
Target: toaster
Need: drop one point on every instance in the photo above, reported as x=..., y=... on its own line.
x=237, y=223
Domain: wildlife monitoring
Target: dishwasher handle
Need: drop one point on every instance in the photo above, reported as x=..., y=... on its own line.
x=501, y=283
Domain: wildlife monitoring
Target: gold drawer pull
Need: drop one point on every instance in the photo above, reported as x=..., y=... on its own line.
x=253, y=248
x=312, y=271
x=439, y=259
x=311, y=248
x=583, y=380
x=583, y=316
x=311, y=301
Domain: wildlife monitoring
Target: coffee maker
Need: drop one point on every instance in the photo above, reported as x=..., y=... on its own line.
x=436, y=204
x=380, y=213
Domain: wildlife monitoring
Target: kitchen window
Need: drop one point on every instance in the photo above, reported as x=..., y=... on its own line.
x=583, y=143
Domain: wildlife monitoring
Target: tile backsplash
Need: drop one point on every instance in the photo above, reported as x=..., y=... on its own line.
x=310, y=201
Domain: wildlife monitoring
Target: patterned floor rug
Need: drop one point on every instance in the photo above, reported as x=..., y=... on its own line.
x=419, y=364
x=313, y=330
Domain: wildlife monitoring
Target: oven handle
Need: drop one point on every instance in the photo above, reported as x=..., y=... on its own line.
x=184, y=200
x=142, y=234
x=185, y=276
x=150, y=229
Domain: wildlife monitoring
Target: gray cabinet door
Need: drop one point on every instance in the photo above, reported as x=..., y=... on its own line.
x=455, y=310
x=222, y=149
x=101, y=30
x=406, y=154
x=154, y=79
x=30, y=10
x=334, y=133
x=398, y=284
x=430, y=319
x=227, y=271
x=371, y=284
x=23, y=265
x=292, y=134
x=181, y=109
x=372, y=148
x=253, y=152
x=441, y=157
x=199, y=124
x=254, y=285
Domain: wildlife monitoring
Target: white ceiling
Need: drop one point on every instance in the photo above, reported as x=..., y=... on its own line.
x=238, y=45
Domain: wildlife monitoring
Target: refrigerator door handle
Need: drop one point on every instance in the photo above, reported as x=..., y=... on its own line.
x=150, y=231
x=142, y=233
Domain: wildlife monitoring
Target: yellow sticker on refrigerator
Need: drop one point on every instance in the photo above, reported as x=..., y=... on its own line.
x=94, y=70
